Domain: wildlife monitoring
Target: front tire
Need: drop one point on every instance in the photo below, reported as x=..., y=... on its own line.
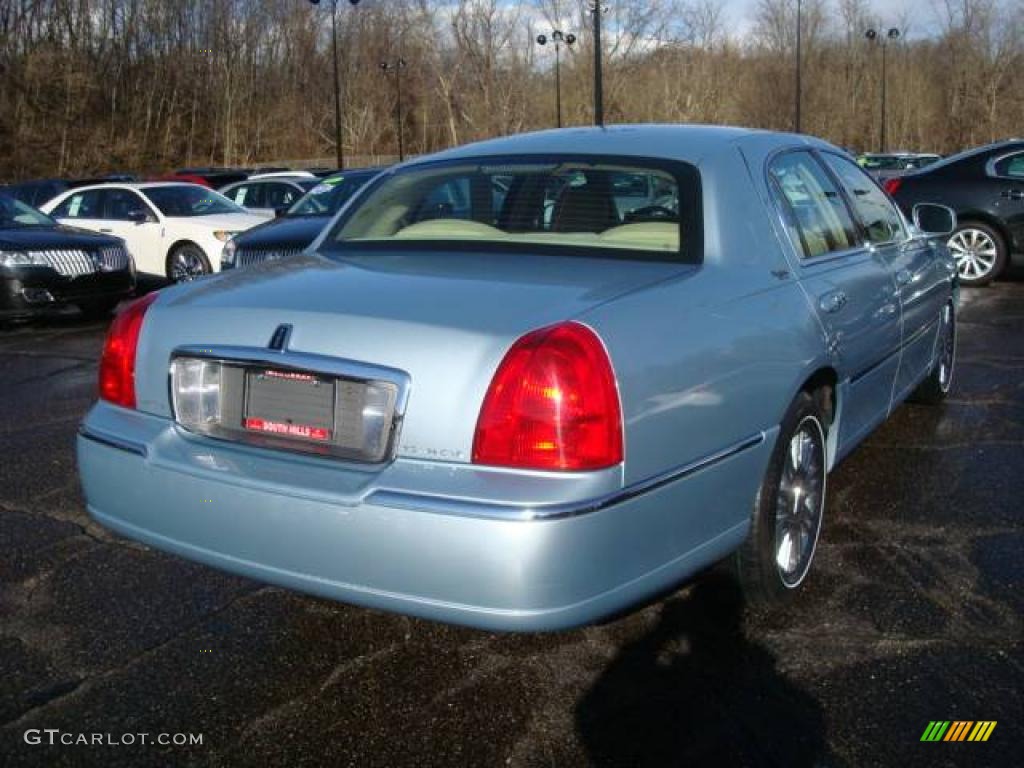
x=777, y=555
x=187, y=262
x=980, y=252
x=934, y=389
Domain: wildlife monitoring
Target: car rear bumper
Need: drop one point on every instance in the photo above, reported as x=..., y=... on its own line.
x=26, y=293
x=469, y=565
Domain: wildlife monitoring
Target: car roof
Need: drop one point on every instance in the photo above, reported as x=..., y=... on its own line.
x=354, y=172
x=141, y=185
x=282, y=175
x=1009, y=145
x=688, y=143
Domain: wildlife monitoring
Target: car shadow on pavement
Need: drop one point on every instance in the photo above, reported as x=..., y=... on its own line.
x=695, y=690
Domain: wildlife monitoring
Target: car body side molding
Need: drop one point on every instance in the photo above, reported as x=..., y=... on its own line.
x=519, y=512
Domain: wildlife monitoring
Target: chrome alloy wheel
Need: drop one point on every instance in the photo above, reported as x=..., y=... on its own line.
x=800, y=502
x=187, y=264
x=974, y=251
x=947, y=350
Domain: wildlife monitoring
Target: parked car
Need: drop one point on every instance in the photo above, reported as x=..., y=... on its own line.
x=291, y=233
x=37, y=192
x=211, y=177
x=172, y=230
x=896, y=163
x=269, y=194
x=45, y=268
x=526, y=423
x=283, y=173
x=985, y=186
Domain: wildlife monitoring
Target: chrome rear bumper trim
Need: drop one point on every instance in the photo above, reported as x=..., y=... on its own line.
x=512, y=512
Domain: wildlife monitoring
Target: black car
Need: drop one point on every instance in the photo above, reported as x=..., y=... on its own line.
x=39, y=191
x=293, y=231
x=985, y=187
x=44, y=267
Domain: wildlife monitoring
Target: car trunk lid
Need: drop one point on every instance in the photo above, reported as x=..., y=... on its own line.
x=446, y=319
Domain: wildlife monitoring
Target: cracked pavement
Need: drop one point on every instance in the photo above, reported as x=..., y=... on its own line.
x=913, y=613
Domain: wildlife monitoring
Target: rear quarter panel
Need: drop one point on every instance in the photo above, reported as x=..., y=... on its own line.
x=716, y=356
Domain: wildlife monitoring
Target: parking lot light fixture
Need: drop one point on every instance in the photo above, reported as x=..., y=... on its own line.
x=597, y=10
x=558, y=38
x=876, y=36
x=339, y=150
x=387, y=67
x=798, y=86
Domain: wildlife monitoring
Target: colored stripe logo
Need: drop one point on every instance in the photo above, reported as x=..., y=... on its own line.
x=958, y=730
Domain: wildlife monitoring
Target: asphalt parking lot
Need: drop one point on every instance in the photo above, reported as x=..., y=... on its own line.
x=914, y=614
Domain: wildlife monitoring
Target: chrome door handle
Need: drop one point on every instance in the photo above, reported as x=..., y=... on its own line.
x=1014, y=194
x=832, y=302
x=904, y=277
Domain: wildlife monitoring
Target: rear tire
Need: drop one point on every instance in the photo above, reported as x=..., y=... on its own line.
x=187, y=262
x=980, y=252
x=774, y=561
x=933, y=390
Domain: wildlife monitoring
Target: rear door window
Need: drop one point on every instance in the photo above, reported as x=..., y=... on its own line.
x=81, y=205
x=815, y=212
x=277, y=195
x=121, y=204
x=247, y=195
x=877, y=214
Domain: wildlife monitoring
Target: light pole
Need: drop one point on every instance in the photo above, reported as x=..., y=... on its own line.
x=892, y=34
x=558, y=38
x=596, y=10
x=339, y=151
x=387, y=67
x=799, y=68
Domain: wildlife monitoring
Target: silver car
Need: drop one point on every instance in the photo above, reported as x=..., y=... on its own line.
x=528, y=383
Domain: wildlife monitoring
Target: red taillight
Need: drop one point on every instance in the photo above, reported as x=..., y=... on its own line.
x=892, y=186
x=117, y=366
x=552, y=404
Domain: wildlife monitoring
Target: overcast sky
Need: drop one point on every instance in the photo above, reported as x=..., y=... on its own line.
x=921, y=12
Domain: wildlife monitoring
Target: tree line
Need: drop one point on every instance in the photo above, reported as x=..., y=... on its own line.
x=89, y=86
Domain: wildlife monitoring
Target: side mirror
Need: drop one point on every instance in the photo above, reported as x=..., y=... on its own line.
x=934, y=220
x=280, y=211
x=138, y=217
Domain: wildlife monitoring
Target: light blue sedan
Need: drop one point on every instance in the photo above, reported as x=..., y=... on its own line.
x=528, y=383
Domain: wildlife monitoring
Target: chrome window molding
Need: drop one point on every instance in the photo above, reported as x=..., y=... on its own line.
x=990, y=166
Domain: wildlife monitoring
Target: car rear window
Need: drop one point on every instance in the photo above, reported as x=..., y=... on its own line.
x=578, y=205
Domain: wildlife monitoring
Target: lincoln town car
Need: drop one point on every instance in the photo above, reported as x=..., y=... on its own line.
x=530, y=383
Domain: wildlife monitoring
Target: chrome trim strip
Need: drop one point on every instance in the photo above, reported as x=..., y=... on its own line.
x=990, y=166
x=113, y=441
x=304, y=361
x=518, y=512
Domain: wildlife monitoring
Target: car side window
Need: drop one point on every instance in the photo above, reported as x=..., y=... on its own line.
x=81, y=205
x=817, y=217
x=876, y=211
x=122, y=204
x=276, y=195
x=246, y=195
x=449, y=200
x=1012, y=166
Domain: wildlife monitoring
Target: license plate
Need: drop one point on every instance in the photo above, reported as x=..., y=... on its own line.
x=288, y=404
